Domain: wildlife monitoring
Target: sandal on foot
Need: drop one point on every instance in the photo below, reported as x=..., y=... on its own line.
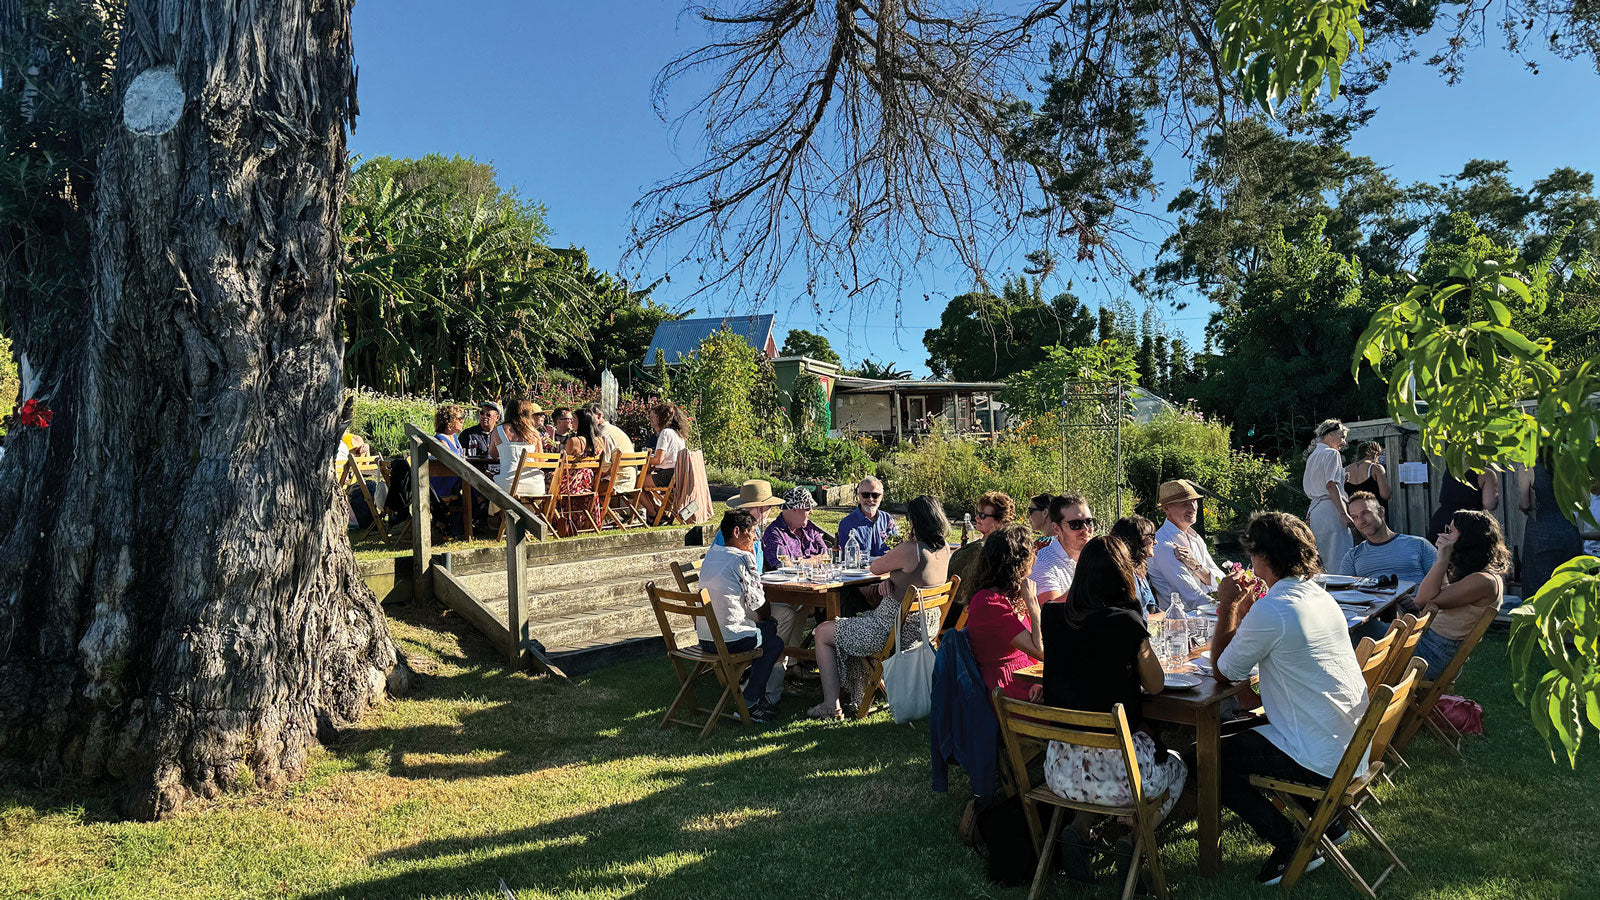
x=817, y=712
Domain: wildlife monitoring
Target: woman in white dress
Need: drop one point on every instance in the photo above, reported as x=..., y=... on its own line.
x=1324, y=483
x=519, y=433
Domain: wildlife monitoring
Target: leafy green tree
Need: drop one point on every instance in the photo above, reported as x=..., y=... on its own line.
x=461, y=184
x=1279, y=366
x=800, y=342
x=982, y=337
x=1039, y=389
x=719, y=382
x=619, y=323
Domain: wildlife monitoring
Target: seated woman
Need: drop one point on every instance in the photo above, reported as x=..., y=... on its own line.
x=1138, y=534
x=516, y=435
x=1466, y=578
x=447, y=421
x=842, y=646
x=584, y=442
x=1099, y=655
x=1003, y=621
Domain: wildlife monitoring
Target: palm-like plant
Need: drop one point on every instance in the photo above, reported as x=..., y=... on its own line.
x=880, y=371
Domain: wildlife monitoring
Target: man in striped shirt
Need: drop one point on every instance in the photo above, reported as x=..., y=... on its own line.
x=1405, y=556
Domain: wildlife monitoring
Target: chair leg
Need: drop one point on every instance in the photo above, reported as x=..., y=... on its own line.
x=1339, y=862
x=1131, y=880
x=716, y=711
x=1046, y=854
x=1152, y=853
x=1451, y=743
x=686, y=691
x=1376, y=840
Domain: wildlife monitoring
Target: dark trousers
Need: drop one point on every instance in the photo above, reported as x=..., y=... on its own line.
x=760, y=670
x=1248, y=753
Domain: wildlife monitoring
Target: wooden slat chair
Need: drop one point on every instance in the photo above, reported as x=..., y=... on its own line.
x=638, y=501
x=1415, y=626
x=543, y=505
x=691, y=663
x=570, y=509
x=354, y=472
x=1421, y=715
x=1021, y=720
x=655, y=502
x=916, y=600
x=618, y=503
x=1374, y=657
x=1349, y=787
x=688, y=574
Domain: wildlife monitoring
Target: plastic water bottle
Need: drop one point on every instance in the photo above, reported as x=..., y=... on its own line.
x=1175, y=609
x=852, y=552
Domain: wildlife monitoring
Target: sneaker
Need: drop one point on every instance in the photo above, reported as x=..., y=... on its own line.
x=1073, y=857
x=762, y=711
x=1278, y=863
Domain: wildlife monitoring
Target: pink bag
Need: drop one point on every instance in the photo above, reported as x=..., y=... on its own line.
x=1462, y=714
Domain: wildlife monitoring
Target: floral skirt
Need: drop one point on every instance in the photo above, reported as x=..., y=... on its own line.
x=1094, y=775
x=861, y=636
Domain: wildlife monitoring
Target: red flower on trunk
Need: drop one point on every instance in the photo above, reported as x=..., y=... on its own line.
x=36, y=414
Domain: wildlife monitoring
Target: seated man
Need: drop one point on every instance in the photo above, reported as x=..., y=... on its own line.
x=793, y=535
x=729, y=577
x=1072, y=525
x=1181, y=563
x=475, y=440
x=1311, y=686
x=617, y=441
x=870, y=525
x=1384, y=552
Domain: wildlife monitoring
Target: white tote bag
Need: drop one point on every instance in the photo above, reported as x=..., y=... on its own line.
x=908, y=675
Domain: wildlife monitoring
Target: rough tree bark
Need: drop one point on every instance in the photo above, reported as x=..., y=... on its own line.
x=179, y=606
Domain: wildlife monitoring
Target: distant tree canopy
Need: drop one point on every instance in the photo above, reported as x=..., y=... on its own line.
x=982, y=337
x=451, y=290
x=870, y=368
x=800, y=342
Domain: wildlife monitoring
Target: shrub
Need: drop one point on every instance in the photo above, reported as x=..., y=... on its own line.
x=382, y=418
x=1183, y=444
x=836, y=459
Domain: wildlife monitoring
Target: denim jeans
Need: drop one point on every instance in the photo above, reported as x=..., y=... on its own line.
x=1438, y=650
x=1248, y=753
x=771, y=649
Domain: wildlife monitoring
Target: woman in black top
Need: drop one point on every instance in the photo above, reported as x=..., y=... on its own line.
x=1097, y=654
x=1367, y=474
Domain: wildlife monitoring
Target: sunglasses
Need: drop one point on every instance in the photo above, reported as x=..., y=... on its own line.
x=1080, y=524
x=1035, y=509
x=984, y=515
x=869, y=495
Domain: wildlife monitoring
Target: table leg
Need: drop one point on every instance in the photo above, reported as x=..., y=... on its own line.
x=832, y=604
x=1208, y=787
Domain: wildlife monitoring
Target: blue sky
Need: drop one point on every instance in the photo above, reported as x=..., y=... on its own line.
x=557, y=96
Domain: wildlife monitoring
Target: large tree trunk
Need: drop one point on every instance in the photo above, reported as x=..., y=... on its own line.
x=179, y=606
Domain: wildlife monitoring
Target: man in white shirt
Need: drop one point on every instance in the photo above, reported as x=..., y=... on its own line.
x=1182, y=564
x=1311, y=686
x=620, y=443
x=729, y=577
x=1071, y=526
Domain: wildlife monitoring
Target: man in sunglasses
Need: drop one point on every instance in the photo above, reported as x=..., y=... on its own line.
x=871, y=525
x=1072, y=525
x=1182, y=564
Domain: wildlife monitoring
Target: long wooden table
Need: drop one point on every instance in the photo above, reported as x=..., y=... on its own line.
x=824, y=596
x=1201, y=709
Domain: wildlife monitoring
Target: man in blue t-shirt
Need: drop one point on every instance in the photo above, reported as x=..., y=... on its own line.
x=1405, y=556
x=871, y=524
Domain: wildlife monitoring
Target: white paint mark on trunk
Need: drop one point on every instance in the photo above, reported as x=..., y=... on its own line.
x=30, y=378
x=154, y=102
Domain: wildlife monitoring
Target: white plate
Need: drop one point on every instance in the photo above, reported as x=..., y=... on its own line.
x=776, y=578
x=856, y=573
x=1181, y=681
x=1335, y=582
x=1208, y=610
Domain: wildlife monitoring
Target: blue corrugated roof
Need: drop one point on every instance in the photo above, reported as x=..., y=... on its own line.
x=684, y=335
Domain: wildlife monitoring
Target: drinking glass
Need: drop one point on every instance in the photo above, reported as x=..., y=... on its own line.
x=1175, y=643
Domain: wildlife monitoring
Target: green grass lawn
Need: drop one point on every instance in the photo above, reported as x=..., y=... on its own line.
x=570, y=790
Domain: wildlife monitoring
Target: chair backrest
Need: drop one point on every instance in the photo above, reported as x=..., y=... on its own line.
x=549, y=463
x=1385, y=704
x=1401, y=657
x=933, y=599
x=688, y=574
x=1402, y=691
x=639, y=462
x=1375, y=657
x=692, y=604
x=581, y=464
x=1106, y=731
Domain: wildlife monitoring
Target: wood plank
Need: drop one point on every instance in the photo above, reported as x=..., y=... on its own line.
x=516, y=586
x=454, y=595
x=421, y=520
x=479, y=481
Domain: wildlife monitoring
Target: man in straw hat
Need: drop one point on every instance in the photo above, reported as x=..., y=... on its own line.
x=1182, y=565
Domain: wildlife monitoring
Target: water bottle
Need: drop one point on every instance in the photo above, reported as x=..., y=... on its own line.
x=1175, y=609
x=966, y=527
x=852, y=552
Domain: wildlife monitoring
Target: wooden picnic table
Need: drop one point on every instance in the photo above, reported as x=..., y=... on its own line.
x=824, y=596
x=1201, y=708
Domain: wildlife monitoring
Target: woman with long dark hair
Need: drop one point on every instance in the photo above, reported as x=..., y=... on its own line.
x=842, y=645
x=1099, y=655
x=1003, y=615
x=515, y=436
x=1467, y=578
x=672, y=433
x=1138, y=534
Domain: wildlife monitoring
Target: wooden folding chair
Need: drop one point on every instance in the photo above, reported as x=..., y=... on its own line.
x=1349, y=787
x=542, y=505
x=916, y=600
x=625, y=501
x=1421, y=715
x=1374, y=657
x=1105, y=731
x=688, y=574
x=1401, y=657
x=661, y=497
x=354, y=473
x=571, y=508
x=692, y=663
